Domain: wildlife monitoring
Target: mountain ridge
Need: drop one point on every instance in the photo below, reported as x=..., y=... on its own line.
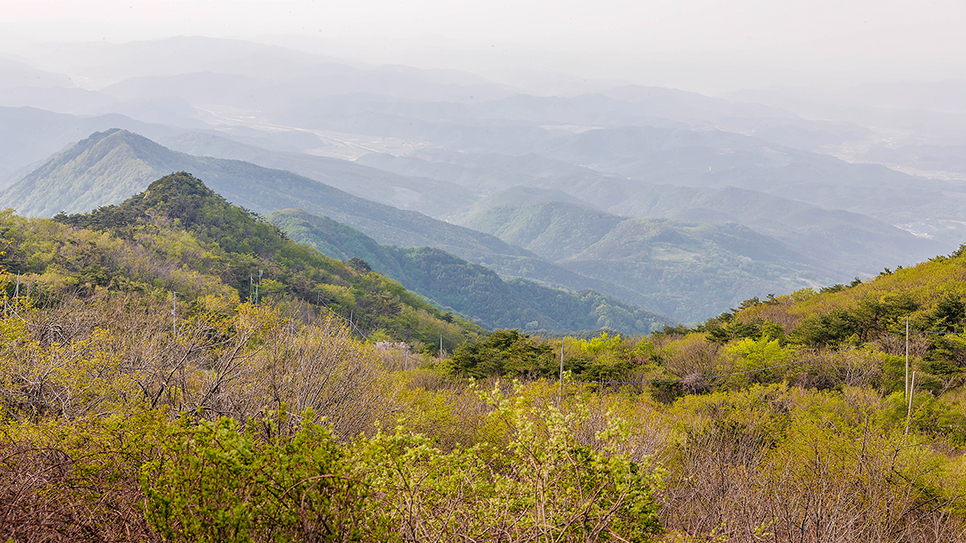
x=469, y=289
x=264, y=190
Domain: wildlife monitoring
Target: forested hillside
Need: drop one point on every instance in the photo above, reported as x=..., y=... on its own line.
x=664, y=263
x=180, y=237
x=110, y=166
x=787, y=419
x=469, y=289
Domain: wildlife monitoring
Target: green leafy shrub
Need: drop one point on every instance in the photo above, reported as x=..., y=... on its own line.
x=539, y=484
x=217, y=482
x=505, y=352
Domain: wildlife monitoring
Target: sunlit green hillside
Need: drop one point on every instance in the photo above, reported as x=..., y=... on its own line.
x=180, y=237
x=470, y=289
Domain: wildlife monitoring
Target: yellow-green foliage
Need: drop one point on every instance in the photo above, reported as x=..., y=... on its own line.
x=805, y=463
x=925, y=284
x=214, y=482
x=539, y=484
x=773, y=459
x=755, y=356
x=600, y=344
x=336, y=293
x=264, y=422
x=77, y=479
x=120, y=353
x=217, y=249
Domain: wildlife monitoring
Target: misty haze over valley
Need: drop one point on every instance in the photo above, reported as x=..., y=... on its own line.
x=681, y=200
x=568, y=271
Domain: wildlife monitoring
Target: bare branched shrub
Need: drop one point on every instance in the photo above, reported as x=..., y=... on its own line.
x=693, y=358
x=73, y=483
x=120, y=353
x=778, y=311
x=322, y=368
x=825, y=370
x=896, y=345
x=823, y=472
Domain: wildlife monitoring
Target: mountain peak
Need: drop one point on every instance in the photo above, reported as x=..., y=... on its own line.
x=104, y=168
x=111, y=135
x=178, y=195
x=184, y=198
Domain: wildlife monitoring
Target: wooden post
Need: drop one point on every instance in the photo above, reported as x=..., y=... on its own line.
x=912, y=394
x=560, y=389
x=907, y=357
x=174, y=314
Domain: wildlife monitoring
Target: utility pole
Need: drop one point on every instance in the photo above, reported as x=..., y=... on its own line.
x=907, y=357
x=912, y=393
x=560, y=388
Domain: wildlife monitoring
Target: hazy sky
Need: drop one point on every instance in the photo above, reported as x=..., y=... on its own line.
x=704, y=42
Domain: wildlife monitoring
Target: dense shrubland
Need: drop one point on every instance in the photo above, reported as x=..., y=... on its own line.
x=265, y=423
x=272, y=422
x=273, y=419
x=178, y=236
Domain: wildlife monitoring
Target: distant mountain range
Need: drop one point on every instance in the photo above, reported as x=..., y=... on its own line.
x=29, y=136
x=108, y=166
x=839, y=241
x=672, y=266
x=428, y=196
x=642, y=144
x=470, y=289
x=681, y=203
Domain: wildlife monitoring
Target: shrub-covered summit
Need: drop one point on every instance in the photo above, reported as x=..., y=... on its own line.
x=180, y=236
x=183, y=200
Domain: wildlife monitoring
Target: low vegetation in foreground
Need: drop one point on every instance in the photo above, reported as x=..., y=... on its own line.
x=230, y=417
x=270, y=423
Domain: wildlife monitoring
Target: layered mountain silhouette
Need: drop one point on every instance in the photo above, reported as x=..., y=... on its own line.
x=470, y=289
x=842, y=242
x=109, y=166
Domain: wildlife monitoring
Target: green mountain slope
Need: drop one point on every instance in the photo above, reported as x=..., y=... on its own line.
x=469, y=289
x=684, y=270
x=845, y=242
x=180, y=236
x=847, y=335
x=100, y=169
